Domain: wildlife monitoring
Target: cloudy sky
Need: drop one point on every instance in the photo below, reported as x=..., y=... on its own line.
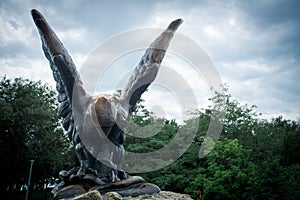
x=254, y=46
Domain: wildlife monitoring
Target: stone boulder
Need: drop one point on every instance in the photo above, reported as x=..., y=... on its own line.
x=163, y=195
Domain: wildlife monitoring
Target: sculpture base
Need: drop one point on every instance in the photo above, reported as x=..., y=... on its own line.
x=163, y=195
x=132, y=186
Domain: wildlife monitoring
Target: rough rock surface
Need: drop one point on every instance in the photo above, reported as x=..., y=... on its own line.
x=95, y=195
x=162, y=195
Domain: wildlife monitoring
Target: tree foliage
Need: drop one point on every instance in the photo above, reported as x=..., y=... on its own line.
x=253, y=159
x=30, y=130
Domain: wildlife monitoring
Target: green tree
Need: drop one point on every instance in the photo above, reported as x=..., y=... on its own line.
x=228, y=174
x=30, y=129
x=253, y=159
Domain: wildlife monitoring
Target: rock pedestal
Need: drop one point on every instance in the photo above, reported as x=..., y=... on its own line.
x=163, y=195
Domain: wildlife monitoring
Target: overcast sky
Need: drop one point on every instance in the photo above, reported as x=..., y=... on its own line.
x=253, y=44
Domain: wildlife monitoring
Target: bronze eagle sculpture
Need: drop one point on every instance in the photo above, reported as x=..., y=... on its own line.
x=96, y=124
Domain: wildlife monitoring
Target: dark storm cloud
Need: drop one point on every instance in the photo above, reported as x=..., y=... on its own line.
x=276, y=16
x=254, y=44
x=68, y=17
x=271, y=12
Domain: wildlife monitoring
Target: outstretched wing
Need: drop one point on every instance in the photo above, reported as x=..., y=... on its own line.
x=146, y=71
x=64, y=73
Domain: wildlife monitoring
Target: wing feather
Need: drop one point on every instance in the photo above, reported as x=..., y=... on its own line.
x=64, y=72
x=146, y=70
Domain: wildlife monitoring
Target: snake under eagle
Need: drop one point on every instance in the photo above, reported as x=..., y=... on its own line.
x=95, y=124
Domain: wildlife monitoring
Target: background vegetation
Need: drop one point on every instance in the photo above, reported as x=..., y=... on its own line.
x=253, y=158
x=30, y=130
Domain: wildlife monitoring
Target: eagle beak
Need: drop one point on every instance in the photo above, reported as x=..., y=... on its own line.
x=104, y=114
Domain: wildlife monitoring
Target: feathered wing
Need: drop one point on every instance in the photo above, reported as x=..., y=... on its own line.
x=146, y=70
x=64, y=73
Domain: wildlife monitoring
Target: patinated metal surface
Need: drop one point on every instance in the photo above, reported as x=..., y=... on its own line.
x=100, y=118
